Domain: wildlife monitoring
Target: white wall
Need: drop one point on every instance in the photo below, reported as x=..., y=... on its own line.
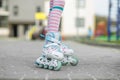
x=69, y=17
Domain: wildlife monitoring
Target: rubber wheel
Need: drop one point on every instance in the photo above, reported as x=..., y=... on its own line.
x=74, y=62
x=37, y=64
x=64, y=63
x=41, y=65
x=51, y=67
x=46, y=66
x=58, y=67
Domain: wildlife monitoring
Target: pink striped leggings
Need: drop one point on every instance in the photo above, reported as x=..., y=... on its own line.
x=56, y=9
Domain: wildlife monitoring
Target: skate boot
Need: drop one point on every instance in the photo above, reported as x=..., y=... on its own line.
x=51, y=55
x=69, y=58
x=68, y=53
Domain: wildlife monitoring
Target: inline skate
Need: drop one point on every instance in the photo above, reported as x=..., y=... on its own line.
x=68, y=52
x=69, y=58
x=51, y=56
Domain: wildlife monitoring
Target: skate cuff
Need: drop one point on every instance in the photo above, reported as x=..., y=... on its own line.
x=53, y=40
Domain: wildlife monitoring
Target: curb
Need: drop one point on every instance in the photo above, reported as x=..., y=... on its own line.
x=102, y=44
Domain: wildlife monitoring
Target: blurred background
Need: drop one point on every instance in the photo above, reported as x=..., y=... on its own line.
x=82, y=20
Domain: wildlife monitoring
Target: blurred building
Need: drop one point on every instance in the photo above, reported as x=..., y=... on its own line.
x=22, y=15
x=78, y=18
x=3, y=12
x=4, y=18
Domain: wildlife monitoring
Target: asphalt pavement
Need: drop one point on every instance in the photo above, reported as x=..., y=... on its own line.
x=95, y=63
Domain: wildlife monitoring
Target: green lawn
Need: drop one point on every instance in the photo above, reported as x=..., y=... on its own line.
x=105, y=38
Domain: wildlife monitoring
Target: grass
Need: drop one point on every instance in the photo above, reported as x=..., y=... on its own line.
x=105, y=39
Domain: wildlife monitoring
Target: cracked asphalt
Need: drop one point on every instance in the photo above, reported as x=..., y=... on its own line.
x=95, y=63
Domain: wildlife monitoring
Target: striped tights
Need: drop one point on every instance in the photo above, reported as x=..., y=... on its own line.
x=56, y=9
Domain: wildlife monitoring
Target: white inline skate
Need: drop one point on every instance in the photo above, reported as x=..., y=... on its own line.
x=69, y=58
x=68, y=53
x=51, y=54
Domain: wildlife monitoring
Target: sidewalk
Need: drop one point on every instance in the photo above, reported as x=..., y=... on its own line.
x=95, y=63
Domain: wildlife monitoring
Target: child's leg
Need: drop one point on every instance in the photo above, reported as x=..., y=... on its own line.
x=56, y=9
x=51, y=4
x=51, y=53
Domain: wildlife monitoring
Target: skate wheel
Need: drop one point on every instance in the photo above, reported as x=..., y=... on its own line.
x=51, y=67
x=46, y=66
x=41, y=65
x=74, y=61
x=58, y=66
x=37, y=64
x=64, y=63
